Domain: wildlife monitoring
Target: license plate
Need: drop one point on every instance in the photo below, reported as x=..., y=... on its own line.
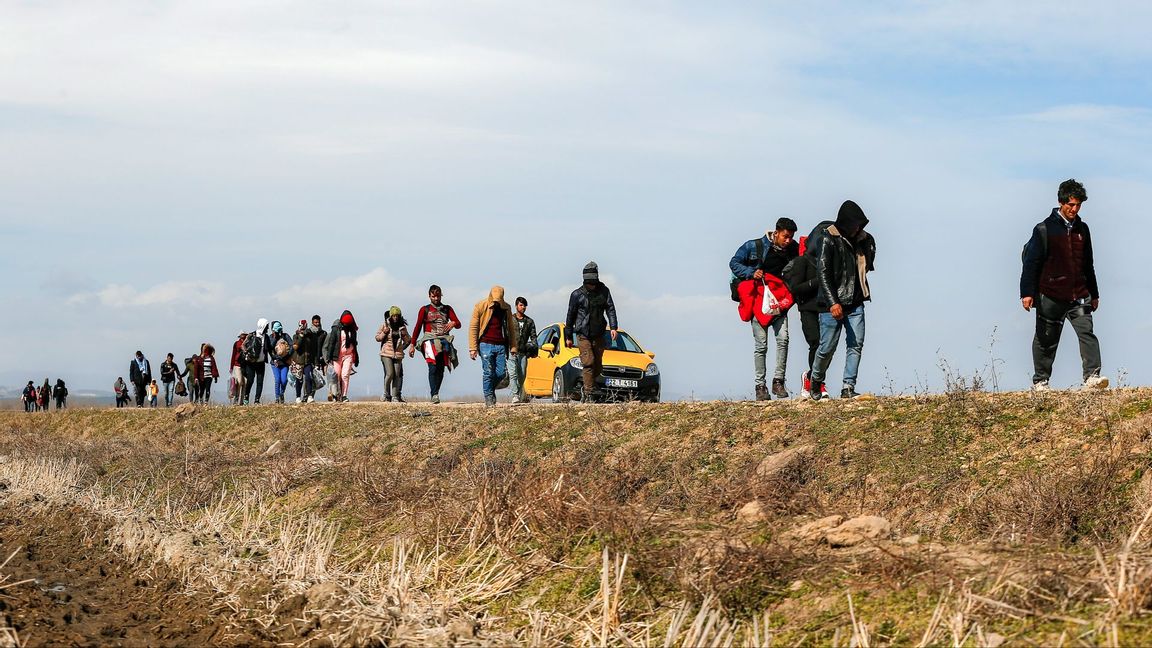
x=621, y=382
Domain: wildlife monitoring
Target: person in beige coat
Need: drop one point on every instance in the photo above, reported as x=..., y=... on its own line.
x=492, y=336
x=393, y=337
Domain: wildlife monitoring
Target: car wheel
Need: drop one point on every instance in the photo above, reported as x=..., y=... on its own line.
x=559, y=391
x=654, y=398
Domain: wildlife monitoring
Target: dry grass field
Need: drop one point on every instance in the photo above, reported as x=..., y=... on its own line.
x=960, y=519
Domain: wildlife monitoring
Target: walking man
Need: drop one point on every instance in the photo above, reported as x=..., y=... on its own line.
x=432, y=334
x=169, y=372
x=253, y=357
x=591, y=315
x=1059, y=280
x=526, y=348
x=140, y=373
x=844, y=255
x=492, y=336
x=768, y=255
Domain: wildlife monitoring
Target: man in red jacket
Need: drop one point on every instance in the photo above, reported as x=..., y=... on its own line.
x=1059, y=279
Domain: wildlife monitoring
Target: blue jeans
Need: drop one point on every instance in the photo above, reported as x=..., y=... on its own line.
x=281, y=376
x=779, y=328
x=830, y=327
x=517, y=370
x=169, y=389
x=494, y=360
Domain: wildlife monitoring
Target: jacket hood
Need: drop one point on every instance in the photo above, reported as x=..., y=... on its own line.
x=261, y=326
x=496, y=295
x=850, y=217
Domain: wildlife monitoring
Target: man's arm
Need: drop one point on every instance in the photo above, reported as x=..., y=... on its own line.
x=610, y=310
x=739, y=265
x=1033, y=263
x=570, y=318
x=1090, y=268
x=824, y=272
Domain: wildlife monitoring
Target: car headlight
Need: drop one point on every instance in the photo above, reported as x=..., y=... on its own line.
x=575, y=363
x=652, y=370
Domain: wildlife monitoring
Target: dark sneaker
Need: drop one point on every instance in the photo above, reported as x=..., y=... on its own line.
x=762, y=393
x=818, y=391
x=778, y=389
x=435, y=399
x=849, y=392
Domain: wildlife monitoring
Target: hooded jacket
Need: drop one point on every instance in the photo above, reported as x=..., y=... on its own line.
x=332, y=344
x=842, y=264
x=482, y=315
x=803, y=280
x=260, y=335
x=579, y=320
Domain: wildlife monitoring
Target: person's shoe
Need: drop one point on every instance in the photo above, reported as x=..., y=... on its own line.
x=778, y=389
x=1096, y=381
x=400, y=399
x=1041, y=386
x=762, y=393
x=435, y=399
x=849, y=393
x=489, y=402
x=299, y=400
x=818, y=392
x=804, y=394
x=387, y=398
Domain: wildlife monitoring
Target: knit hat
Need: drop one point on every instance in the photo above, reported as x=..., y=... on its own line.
x=303, y=323
x=346, y=319
x=394, y=311
x=591, y=272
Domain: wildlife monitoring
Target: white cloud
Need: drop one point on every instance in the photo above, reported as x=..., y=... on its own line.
x=1090, y=113
x=180, y=293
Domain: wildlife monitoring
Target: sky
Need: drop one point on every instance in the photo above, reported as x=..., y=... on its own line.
x=173, y=170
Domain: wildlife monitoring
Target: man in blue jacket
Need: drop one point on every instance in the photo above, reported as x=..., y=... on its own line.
x=768, y=255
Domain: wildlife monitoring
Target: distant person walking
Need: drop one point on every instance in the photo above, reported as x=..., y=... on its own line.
x=153, y=392
x=190, y=372
x=207, y=372
x=45, y=396
x=526, y=347
x=120, y=388
x=303, y=363
x=844, y=254
x=60, y=394
x=768, y=255
x=393, y=337
x=803, y=282
x=341, y=351
x=29, y=396
x=591, y=315
x=433, y=331
x=319, y=344
x=140, y=373
x=1059, y=280
x=253, y=358
x=280, y=358
x=236, y=370
x=169, y=372
x=492, y=337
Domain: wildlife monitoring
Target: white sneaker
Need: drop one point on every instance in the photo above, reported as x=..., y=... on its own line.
x=299, y=400
x=1096, y=382
x=1041, y=386
x=805, y=394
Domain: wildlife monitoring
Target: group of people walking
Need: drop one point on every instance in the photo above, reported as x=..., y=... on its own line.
x=825, y=275
x=38, y=399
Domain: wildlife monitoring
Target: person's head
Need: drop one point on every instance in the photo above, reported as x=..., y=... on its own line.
x=496, y=295
x=139, y=355
x=591, y=274
x=784, y=233
x=242, y=335
x=30, y=382
x=303, y=325
x=1071, y=195
x=170, y=357
x=395, y=315
x=209, y=350
x=261, y=326
x=347, y=320
x=153, y=381
x=521, y=305
x=850, y=220
x=435, y=294
x=277, y=327
x=316, y=321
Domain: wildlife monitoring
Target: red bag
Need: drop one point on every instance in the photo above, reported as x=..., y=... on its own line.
x=752, y=299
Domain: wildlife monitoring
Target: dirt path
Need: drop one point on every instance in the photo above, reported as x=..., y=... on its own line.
x=82, y=594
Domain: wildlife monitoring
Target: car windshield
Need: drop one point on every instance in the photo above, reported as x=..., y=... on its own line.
x=623, y=343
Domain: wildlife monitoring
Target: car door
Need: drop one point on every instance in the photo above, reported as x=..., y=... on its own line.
x=538, y=380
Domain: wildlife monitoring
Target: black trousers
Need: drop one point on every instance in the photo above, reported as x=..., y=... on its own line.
x=810, y=325
x=139, y=393
x=1050, y=316
x=253, y=372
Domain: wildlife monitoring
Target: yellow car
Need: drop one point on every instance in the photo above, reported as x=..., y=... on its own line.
x=629, y=373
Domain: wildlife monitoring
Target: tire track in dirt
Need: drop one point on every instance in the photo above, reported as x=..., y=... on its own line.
x=83, y=594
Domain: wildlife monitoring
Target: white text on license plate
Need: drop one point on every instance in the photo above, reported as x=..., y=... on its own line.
x=621, y=382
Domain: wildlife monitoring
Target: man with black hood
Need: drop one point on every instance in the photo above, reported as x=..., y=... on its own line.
x=844, y=255
x=588, y=306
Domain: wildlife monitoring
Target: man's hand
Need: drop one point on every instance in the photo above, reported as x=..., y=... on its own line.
x=1026, y=302
x=837, y=311
x=1095, y=304
x=758, y=275
x=613, y=334
x=472, y=354
x=215, y=380
x=411, y=352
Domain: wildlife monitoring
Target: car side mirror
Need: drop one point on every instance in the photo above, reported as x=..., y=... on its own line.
x=548, y=348
x=651, y=355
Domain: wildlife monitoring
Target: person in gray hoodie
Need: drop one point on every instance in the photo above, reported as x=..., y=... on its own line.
x=253, y=357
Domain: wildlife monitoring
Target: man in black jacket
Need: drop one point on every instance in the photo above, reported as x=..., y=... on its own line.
x=754, y=259
x=1059, y=279
x=844, y=254
x=803, y=282
x=584, y=327
x=140, y=373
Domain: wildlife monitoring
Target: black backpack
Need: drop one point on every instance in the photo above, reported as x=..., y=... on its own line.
x=1043, y=230
x=758, y=259
x=253, y=348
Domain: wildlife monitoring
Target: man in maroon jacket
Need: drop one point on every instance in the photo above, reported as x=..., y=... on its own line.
x=1059, y=280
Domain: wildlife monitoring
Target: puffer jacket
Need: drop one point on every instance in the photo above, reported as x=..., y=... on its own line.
x=387, y=348
x=842, y=265
x=578, y=322
x=482, y=315
x=753, y=293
